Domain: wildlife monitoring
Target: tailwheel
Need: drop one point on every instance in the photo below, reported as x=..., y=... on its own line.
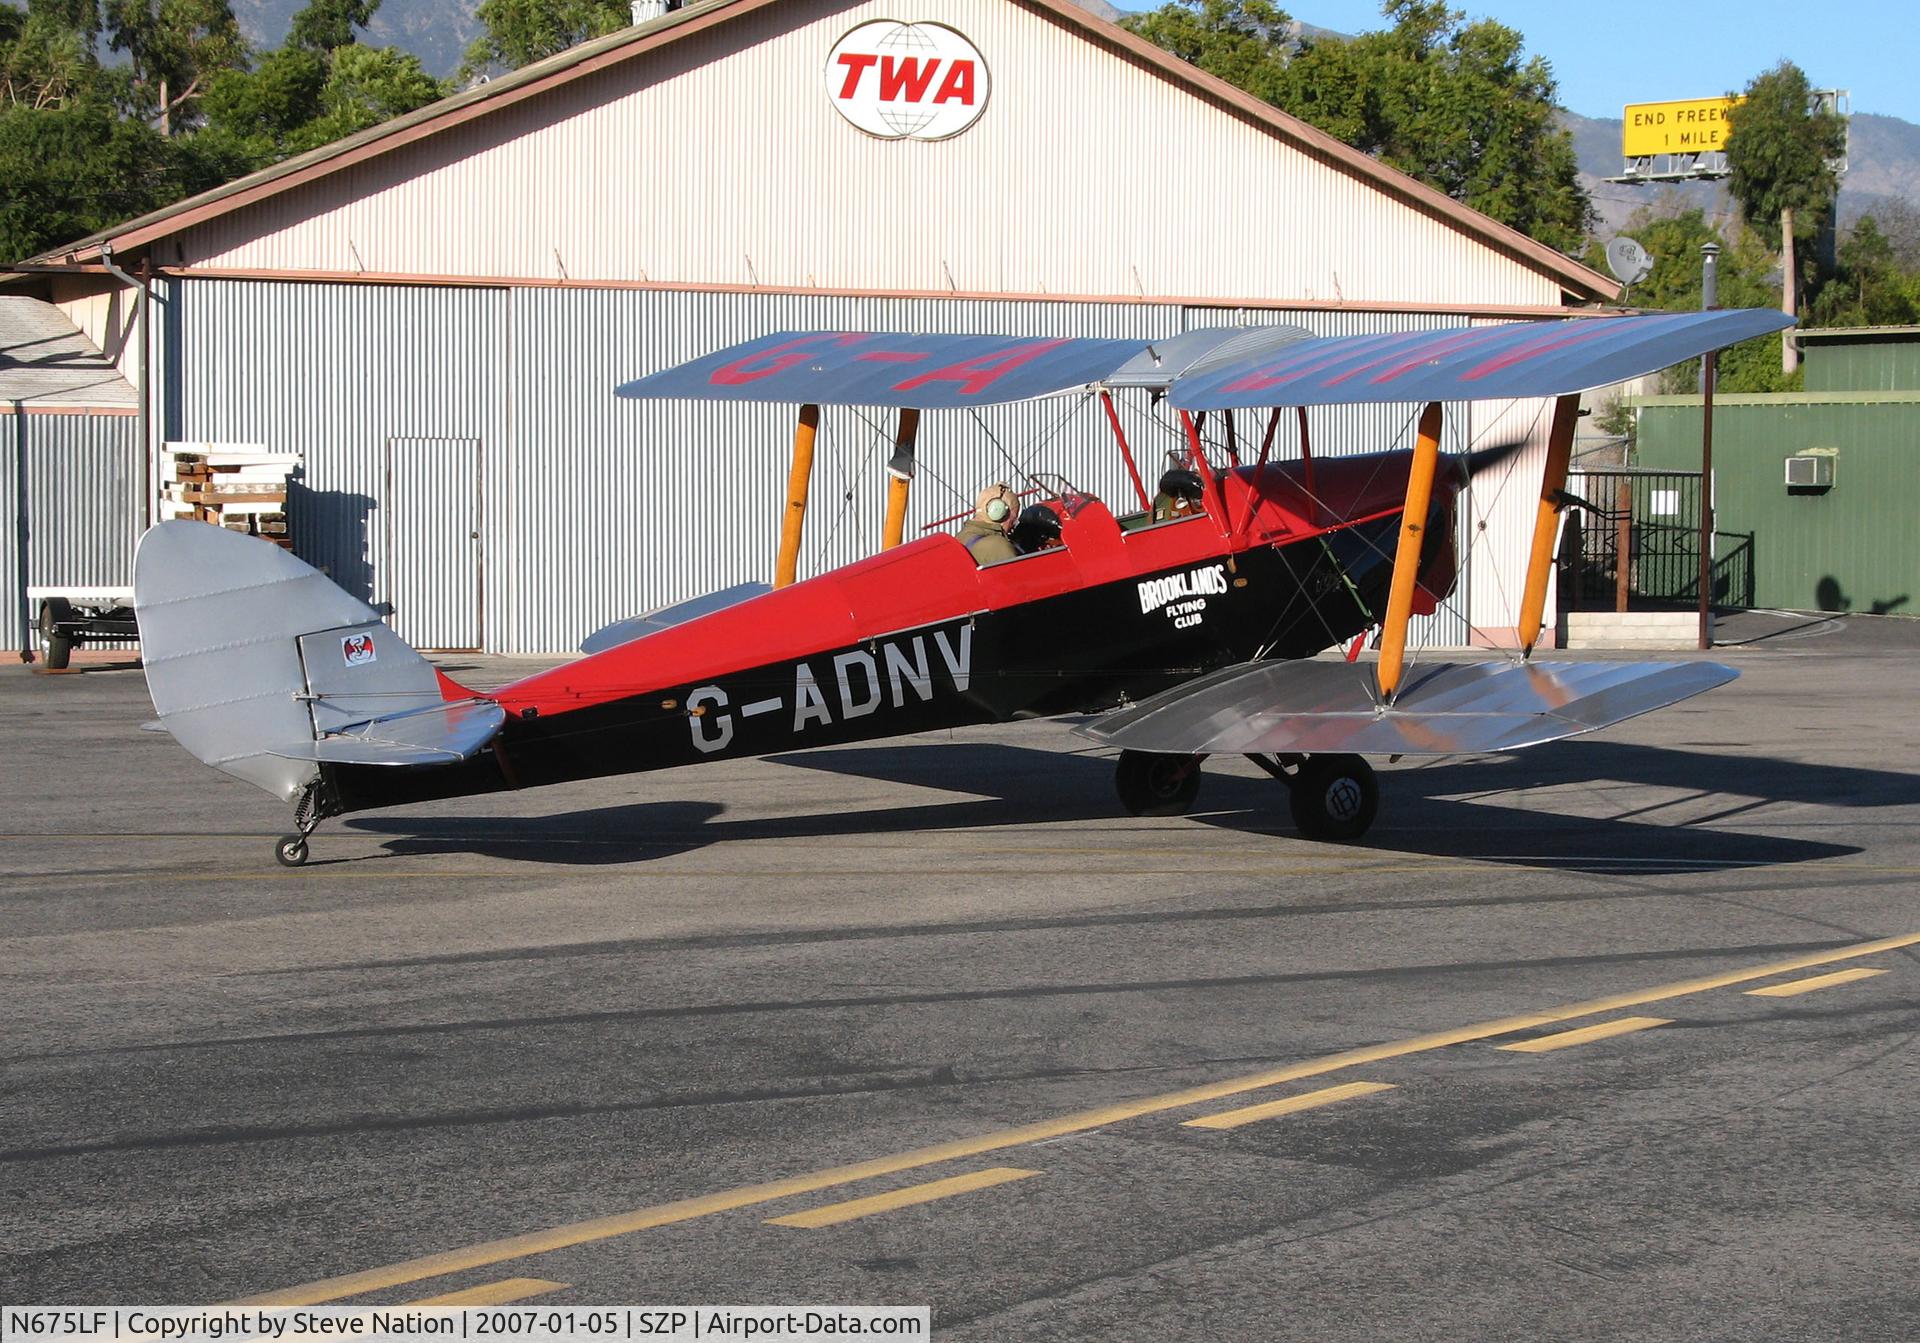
x=1152, y=784
x=315, y=805
x=1333, y=797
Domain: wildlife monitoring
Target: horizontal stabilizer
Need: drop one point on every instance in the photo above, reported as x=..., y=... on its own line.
x=1448, y=708
x=442, y=734
x=638, y=627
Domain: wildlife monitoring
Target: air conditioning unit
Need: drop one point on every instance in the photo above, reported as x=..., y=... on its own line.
x=1806, y=471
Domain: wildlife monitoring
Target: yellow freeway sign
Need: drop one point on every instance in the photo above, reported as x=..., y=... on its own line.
x=1695, y=126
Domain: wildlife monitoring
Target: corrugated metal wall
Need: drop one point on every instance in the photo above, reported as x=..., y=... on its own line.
x=1863, y=364
x=334, y=372
x=431, y=505
x=70, y=484
x=721, y=160
x=1848, y=548
x=662, y=501
x=594, y=508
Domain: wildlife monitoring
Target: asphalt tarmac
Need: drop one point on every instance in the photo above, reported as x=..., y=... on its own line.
x=675, y=1037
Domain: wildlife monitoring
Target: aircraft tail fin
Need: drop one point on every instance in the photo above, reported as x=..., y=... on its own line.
x=262, y=667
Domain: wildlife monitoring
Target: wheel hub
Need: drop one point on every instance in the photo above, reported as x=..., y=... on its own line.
x=1343, y=799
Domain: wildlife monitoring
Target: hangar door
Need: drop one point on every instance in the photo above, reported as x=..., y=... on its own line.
x=432, y=532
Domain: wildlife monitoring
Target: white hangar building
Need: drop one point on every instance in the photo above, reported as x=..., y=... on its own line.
x=434, y=313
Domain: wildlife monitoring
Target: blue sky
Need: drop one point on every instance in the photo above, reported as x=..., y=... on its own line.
x=1608, y=53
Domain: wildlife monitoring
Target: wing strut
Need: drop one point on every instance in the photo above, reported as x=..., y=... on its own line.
x=900, y=477
x=1406, y=559
x=804, y=431
x=1306, y=467
x=1126, y=453
x=1546, y=522
x=1196, y=450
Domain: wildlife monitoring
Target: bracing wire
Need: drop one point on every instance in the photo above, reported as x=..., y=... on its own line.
x=1072, y=408
x=849, y=487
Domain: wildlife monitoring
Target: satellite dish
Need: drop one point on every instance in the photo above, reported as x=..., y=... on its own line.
x=1628, y=260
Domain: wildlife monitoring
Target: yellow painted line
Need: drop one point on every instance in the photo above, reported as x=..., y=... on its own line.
x=1606, y=1030
x=1312, y=1100
x=1799, y=986
x=493, y=1293
x=835, y=1213
x=746, y=1196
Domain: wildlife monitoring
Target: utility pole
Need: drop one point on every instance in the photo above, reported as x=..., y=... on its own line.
x=1709, y=299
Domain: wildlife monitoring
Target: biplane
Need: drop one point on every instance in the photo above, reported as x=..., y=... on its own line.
x=1182, y=637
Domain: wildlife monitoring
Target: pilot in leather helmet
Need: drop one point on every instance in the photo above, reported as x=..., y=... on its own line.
x=1179, y=496
x=1037, y=529
x=985, y=533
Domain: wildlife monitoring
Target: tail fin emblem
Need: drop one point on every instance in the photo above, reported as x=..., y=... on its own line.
x=357, y=649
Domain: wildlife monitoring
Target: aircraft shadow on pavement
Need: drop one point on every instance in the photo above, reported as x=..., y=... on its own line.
x=1447, y=809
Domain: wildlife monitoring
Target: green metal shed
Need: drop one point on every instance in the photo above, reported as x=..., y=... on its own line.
x=1861, y=358
x=1852, y=544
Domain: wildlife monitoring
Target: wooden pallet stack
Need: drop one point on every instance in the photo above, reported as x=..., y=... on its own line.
x=239, y=486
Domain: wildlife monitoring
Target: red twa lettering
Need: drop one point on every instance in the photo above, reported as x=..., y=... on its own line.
x=958, y=85
x=910, y=76
x=977, y=374
x=771, y=360
x=857, y=63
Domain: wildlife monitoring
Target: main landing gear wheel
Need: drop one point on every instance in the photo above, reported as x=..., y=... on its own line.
x=1333, y=797
x=291, y=851
x=1151, y=784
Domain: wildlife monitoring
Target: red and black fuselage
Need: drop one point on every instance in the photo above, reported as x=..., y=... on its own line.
x=918, y=637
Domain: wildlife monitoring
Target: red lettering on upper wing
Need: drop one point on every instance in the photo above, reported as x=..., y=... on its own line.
x=1426, y=354
x=911, y=75
x=982, y=371
x=798, y=350
x=1314, y=359
x=1558, y=340
x=857, y=63
x=958, y=85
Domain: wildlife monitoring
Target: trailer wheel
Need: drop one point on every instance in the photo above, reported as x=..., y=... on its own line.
x=54, y=612
x=291, y=851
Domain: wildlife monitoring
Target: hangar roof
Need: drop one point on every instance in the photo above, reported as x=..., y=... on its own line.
x=1575, y=281
x=45, y=361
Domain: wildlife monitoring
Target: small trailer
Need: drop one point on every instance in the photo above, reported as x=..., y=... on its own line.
x=70, y=618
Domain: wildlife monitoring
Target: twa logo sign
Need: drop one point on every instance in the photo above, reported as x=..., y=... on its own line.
x=920, y=81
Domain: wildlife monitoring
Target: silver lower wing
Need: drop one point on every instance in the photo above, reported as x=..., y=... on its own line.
x=1448, y=708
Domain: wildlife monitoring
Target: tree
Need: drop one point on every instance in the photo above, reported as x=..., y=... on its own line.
x=252, y=116
x=176, y=47
x=1780, y=151
x=1458, y=106
x=1673, y=237
x=326, y=25
x=72, y=169
x=298, y=98
x=366, y=86
x=47, y=52
x=1245, y=42
x=519, y=32
x=1869, y=286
